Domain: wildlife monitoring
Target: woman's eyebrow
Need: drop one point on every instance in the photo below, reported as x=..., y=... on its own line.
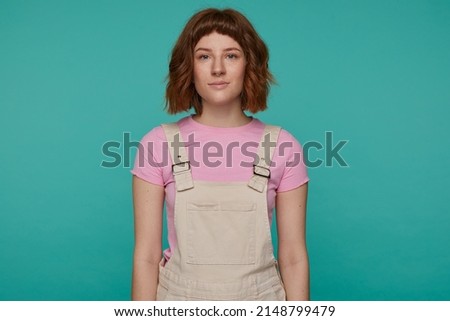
x=209, y=50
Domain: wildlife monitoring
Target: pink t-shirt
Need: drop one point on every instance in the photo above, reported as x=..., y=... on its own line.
x=218, y=154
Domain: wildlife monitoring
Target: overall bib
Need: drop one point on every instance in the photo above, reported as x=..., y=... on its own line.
x=224, y=246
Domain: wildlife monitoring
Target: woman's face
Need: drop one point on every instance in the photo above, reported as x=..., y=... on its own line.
x=219, y=70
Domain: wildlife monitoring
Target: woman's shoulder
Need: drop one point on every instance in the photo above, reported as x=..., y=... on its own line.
x=154, y=134
x=284, y=135
x=157, y=133
x=287, y=136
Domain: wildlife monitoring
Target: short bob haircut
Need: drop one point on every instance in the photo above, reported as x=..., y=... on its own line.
x=180, y=90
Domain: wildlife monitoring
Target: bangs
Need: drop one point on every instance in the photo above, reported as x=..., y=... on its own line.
x=220, y=22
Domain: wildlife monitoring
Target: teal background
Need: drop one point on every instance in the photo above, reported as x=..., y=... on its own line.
x=77, y=74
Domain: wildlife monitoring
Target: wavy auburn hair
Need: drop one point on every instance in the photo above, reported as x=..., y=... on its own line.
x=180, y=90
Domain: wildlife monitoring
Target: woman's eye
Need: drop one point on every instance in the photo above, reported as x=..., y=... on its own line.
x=232, y=56
x=203, y=57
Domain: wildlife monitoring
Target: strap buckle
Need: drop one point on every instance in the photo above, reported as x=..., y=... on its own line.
x=185, y=166
x=261, y=171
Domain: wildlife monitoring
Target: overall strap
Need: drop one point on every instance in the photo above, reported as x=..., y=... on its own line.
x=181, y=168
x=261, y=167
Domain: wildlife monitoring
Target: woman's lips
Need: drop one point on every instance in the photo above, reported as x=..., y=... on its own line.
x=219, y=84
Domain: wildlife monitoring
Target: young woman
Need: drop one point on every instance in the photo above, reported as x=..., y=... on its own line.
x=220, y=173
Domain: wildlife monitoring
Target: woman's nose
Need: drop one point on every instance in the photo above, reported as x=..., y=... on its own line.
x=218, y=67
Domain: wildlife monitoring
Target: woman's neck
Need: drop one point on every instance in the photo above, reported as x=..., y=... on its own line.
x=219, y=116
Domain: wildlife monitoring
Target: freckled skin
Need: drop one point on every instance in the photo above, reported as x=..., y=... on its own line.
x=219, y=58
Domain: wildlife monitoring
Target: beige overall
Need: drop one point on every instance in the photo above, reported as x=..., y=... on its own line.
x=224, y=247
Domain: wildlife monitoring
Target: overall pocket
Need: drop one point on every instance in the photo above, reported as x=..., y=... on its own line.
x=161, y=293
x=221, y=233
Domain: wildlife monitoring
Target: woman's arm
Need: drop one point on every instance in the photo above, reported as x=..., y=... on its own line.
x=292, y=253
x=148, y=202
